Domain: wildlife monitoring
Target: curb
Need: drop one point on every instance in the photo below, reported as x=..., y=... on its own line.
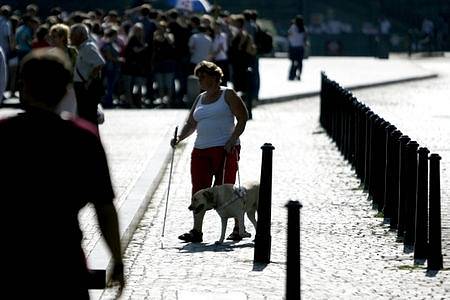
x=134, y=206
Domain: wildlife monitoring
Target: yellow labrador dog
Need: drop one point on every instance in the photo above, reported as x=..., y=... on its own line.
x=229, y=202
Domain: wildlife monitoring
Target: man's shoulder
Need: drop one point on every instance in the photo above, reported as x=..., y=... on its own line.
x=80, y=124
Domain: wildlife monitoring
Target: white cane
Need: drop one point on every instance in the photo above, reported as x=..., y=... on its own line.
x=168, y=188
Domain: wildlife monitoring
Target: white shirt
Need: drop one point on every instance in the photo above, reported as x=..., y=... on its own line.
x=88, y=58
x=215, y=122
x=220, y=42
x=200, y=46
x=296, y=38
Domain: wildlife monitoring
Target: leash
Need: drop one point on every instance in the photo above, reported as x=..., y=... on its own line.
x=238, y=173
x=238, y=193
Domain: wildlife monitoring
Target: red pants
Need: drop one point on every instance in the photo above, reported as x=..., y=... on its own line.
x=208, y=163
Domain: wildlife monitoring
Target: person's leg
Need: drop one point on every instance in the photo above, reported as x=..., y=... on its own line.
x=87, y=106
x=300, y=63
x=110, y=85
x=201, y=169
x=128, y=90
x=227, y=169
x=201, y=177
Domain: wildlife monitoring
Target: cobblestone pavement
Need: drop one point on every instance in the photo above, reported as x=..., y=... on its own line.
x=346, y=252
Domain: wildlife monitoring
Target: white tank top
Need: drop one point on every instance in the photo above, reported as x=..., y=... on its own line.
x=215, y=122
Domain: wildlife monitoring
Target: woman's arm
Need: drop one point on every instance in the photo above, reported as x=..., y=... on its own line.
x=189, y=126
x=239, y=110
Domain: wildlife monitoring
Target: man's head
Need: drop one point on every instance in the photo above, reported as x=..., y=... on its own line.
x=44, y=90
x=79, y=33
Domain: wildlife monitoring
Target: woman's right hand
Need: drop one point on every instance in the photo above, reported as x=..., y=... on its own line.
x=174, y=142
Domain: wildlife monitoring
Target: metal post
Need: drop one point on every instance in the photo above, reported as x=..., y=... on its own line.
x=394, y=183
x=263, y=237
x=380, y=164
x=421, y=241
x=368, y=148
x=435, y=252
x=404, y=139
x=411, y=193
x=388, y=168
x=293, y=251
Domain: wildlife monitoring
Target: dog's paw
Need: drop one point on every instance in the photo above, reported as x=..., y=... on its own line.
x=218, y=242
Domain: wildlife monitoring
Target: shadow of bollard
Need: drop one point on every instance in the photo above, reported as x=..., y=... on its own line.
x=435, y=251
x=421, y=241
x=293, y=251
x=263, y=237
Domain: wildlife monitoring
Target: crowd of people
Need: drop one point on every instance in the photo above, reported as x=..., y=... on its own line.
x=146, y=55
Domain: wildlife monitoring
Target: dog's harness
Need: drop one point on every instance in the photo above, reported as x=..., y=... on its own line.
x=238, y=194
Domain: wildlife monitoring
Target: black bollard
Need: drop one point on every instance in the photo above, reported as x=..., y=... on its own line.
x=96, y=279
x=404, y=139
x=435, y=251
x=293, y=251
x=370, y=152
x=421, y=241
x=394, y=182
x=387, y=176
x=263, y=237
x=380, y=164
x=368, y=116
x=361, y=142
x=411, y=193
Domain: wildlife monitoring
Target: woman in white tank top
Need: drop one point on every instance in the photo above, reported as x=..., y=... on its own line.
x=217, y=146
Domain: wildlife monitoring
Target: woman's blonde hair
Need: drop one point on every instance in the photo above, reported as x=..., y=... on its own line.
x=61, y=30
x=209, y=68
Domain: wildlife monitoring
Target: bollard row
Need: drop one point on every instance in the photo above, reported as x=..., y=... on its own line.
x=391, y=167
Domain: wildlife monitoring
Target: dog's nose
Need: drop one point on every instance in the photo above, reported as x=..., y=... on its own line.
x=191, y=207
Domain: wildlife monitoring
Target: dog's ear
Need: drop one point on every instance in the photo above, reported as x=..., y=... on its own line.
x=199, y=208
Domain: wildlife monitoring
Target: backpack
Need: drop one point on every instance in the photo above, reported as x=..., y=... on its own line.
x=263, y=41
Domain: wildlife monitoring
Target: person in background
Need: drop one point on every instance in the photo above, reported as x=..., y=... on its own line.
x=200, y=44
x=297, y=41
x=6, y=31
x=217, y=146
x=25, y=34
x=59, y=39
x=164, y=64
x=219, y=52
x=41, y=39
x=134, y=68
x=3, y=74
x=53, y=166
x=87, y=70
x=111, y=51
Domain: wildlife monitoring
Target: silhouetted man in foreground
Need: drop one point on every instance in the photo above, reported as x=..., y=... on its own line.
x=51, y=167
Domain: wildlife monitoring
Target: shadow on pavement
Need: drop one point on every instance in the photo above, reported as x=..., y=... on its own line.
x=431, y=273
x=202, y=247
x=259, y=267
